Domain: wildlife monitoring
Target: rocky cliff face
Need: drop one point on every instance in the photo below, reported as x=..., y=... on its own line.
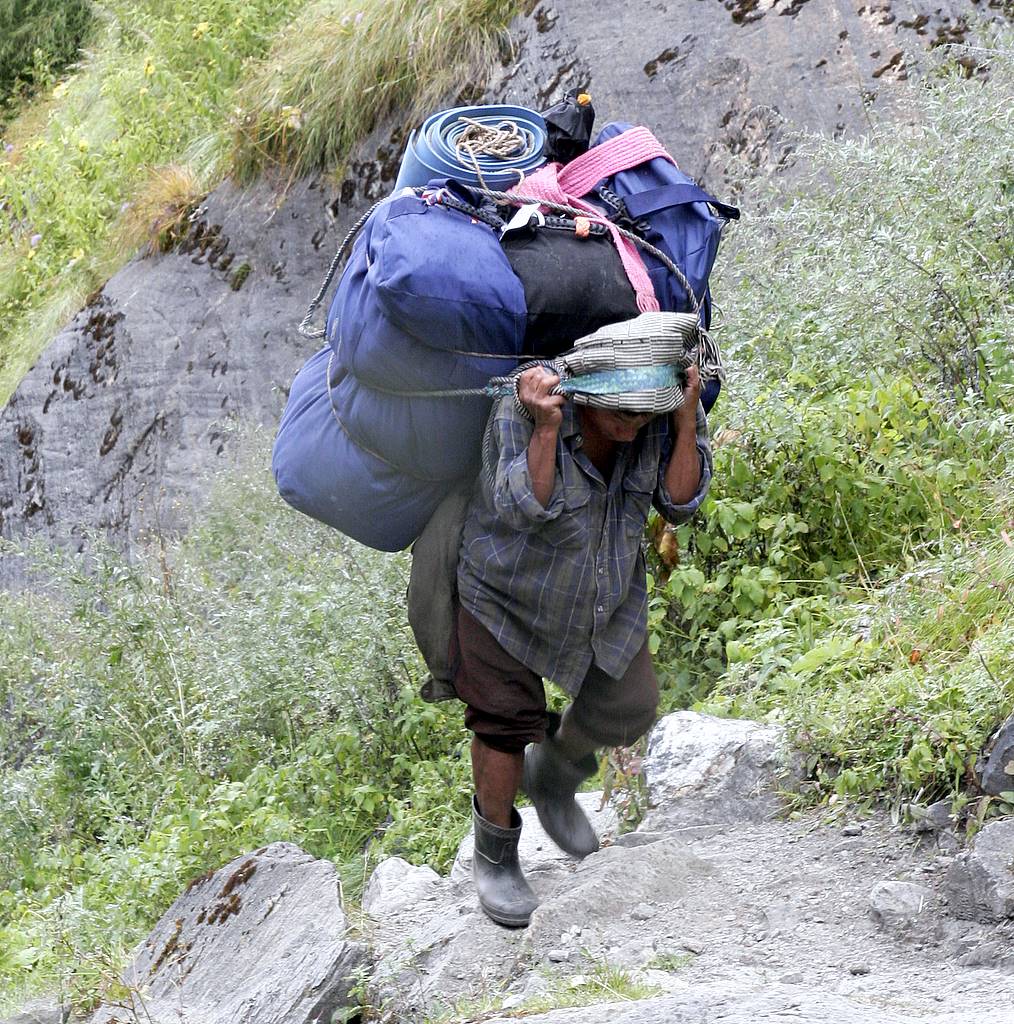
x=119, y=426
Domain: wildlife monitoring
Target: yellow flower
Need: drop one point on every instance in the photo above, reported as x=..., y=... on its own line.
x=201, y=28
x=143, y=91
x=77, y=254
x=30, y=255
x=149, y=68
x=82, y=145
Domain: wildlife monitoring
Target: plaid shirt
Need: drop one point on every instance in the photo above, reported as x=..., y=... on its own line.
x=563, y=586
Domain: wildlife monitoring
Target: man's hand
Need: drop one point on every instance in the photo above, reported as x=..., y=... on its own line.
x=534, y=388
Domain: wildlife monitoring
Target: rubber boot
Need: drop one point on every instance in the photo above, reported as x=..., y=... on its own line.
x=504, y=892
x=551, y=781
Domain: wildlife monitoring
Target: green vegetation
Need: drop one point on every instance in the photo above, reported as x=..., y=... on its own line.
x=256, y=683
x=851, y=574
x=852, y=565
x=38, y=39
x=195, y=90
x=339, y=68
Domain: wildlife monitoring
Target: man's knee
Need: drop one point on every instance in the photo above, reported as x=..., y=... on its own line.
x=617, y=712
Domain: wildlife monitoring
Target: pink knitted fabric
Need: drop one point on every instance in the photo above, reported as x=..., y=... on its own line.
x=557, y=183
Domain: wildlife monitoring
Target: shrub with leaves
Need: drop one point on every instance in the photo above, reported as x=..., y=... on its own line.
x=845, y=574
x=38, y=39
x=895, y=694
x=257, y=682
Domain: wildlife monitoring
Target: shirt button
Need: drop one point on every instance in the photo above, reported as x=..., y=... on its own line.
x=601, y=608
x=601, y=570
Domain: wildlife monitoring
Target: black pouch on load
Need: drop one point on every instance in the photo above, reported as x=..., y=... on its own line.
x=568, y=127
x=573, y=286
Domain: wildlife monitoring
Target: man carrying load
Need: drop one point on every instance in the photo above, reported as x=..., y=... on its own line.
x=551, y=583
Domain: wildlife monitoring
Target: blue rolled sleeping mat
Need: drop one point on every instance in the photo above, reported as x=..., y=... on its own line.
x=426, y=298
x=432, y=153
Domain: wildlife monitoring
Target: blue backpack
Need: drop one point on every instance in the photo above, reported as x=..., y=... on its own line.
x=672, y=212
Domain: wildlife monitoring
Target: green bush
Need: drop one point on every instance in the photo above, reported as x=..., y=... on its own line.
x=38, y=39
x=829, y=484
x=257, y=682
x=864, y=456
x=894, y=695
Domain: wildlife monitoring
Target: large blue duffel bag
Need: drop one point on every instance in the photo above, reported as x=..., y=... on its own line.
x=427, y=301
x=321, y=471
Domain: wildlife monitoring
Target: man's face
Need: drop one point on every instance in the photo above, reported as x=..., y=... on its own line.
x=621, y=427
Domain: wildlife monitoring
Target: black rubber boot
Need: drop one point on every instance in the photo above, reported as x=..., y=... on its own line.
x=504, y=892
x=551, y=781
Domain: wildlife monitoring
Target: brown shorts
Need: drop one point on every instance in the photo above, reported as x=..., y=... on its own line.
x=506, y=702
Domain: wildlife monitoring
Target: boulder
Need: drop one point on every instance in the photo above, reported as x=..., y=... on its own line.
x=998, y=772
x=701, y=770
x=603, y=905
x=396, y=884
x=900, y=906
x=261, y=939
x=980, y=881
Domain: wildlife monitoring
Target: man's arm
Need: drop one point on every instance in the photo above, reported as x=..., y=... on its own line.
x=520, y=476
x=546, y=409
x=684, y=479
x=683, y=474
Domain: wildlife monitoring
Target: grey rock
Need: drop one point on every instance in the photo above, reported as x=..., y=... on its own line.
x=701, y=769
x=852, y=830
x=985, y=954
x=537, y=851
x=426, y=955
x=980, y=881
x=40, y=1011
x=998, y=773
x=261, y=939
x=900, y=905
x=605, y=886
x=934, y=818
x=529, y=987
x=395, y=884
x=643, y=912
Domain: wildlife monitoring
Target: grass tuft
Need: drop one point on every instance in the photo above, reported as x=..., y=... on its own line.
x=158, y=216
x=215, y=86
x=343, y=65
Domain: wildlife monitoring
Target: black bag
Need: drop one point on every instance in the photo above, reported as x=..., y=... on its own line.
x=573, y=285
